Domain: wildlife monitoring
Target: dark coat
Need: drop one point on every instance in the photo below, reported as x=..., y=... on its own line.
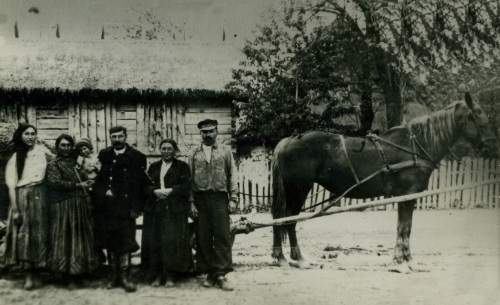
x=178, y=178
x=125, y=175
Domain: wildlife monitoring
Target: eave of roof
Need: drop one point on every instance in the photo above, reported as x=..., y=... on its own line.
x=117, y=65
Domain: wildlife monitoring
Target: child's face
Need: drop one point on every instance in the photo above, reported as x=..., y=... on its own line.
x=84, y=151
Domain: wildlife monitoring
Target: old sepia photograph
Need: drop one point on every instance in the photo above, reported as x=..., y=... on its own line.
x=259, y=152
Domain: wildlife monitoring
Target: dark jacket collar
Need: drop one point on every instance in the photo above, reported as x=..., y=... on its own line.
x=129, y=150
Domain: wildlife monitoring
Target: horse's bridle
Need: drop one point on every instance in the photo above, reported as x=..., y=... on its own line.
x=483, y=131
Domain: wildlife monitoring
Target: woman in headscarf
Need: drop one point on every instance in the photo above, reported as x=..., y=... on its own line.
x=72, y=250
x=28, y=227
x=166, y=237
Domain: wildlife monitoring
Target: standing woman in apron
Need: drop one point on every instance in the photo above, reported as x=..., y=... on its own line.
x=27, y=239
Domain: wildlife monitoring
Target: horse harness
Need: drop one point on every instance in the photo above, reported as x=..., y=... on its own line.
x=424, y=160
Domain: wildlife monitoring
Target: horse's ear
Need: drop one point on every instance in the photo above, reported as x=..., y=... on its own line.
x=468, y=100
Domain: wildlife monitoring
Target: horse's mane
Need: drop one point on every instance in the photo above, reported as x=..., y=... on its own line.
x=437, y=128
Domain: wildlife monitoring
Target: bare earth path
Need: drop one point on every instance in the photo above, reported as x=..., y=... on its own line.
x=456, y=251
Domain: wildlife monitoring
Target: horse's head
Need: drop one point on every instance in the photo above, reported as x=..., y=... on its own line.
x=477, y=128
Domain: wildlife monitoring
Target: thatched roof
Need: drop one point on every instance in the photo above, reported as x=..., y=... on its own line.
x=115, y=65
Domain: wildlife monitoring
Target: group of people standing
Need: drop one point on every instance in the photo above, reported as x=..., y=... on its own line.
x=65, y=210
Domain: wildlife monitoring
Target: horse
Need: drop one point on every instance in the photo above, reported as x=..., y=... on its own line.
x=395, y=163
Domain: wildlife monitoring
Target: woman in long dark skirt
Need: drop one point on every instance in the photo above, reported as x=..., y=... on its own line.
x=72, y=251
x=28, y=227
x=166, y=237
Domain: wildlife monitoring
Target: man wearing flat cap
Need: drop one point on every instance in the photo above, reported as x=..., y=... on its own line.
x=214, y=194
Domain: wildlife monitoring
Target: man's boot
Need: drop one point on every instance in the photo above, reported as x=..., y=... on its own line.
x=124, y=270
x=113, y=281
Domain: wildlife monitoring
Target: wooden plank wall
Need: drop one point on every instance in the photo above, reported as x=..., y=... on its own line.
x=147, y=124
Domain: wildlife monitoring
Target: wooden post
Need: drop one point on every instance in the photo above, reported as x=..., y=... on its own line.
x=181, y=119
x=168, y=122
x=31, y=113
x=489, y=176
x=460, y=181
x=175, y=123
x=466, y=194
x=483, y=167
x=158, y=124
x=71, y=120
x=477, y=178
x=141, y=135
x=496, y=186
x=113, y=115
x=83, y=120
x=92, y=123
x=109, y=120
x=164, y=132
x=442, y=184
x=101, y=126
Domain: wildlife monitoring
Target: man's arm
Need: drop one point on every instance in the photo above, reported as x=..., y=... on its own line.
x=233, y=178
x=193, y=210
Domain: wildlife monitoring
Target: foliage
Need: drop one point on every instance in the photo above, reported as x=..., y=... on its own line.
x=289, y=68
x=428, y=51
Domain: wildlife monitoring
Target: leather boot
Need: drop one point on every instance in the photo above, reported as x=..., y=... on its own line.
x=123, y=272
x=113, y=280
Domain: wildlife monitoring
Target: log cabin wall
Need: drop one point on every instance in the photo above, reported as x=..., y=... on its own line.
x=147, y=121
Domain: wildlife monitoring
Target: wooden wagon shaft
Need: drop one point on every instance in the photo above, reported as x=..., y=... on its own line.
x=245, y=227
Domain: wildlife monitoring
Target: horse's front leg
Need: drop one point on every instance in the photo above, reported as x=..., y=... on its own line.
x=277, y=252
x=402, y=252
x=294, y=248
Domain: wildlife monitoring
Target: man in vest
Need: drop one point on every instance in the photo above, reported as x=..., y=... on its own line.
x=214, y=194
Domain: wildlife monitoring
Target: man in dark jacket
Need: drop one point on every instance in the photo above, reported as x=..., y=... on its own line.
x=118, y=201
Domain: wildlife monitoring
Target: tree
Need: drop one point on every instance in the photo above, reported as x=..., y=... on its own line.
x=427, y=51
x=290, y=66
x=424, y=50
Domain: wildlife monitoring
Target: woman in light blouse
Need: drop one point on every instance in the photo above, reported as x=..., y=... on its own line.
x=28, y=227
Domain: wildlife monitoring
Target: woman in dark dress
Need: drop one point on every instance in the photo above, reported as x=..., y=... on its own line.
x=72, y=251
x=166, y=237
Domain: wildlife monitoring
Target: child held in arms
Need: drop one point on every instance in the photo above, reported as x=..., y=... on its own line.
x=86, y=158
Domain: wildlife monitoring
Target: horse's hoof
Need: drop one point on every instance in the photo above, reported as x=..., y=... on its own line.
x=399, y=268
x=283, y=264
x=303, y=264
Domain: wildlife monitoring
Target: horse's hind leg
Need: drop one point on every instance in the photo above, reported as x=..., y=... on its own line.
x=297, y=201
x=277, y=249
x=295, y=253
x=402, y=250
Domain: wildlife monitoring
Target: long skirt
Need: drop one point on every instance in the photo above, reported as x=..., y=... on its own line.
x=27, y=244
x=170, y=248
x=72, y=238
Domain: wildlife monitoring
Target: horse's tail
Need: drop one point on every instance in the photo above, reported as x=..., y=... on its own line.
x=278, y=207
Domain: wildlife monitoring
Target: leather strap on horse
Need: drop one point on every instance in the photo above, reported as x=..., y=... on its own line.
x=344, y=148
x=414, y=140
x=375, y=140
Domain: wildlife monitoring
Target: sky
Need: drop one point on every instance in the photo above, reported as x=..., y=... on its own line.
x=200, y=21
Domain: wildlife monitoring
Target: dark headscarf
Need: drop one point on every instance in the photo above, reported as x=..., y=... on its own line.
x=66, y=137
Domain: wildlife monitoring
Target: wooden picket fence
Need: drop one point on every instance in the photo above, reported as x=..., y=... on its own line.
x=258, y=192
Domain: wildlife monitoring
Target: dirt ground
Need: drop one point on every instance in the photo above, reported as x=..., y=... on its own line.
x=457, y=253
